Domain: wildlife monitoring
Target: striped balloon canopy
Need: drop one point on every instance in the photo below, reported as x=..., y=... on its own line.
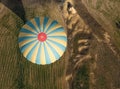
x=42, y=40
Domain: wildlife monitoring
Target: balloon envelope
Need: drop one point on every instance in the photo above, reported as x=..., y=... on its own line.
x=42, y=40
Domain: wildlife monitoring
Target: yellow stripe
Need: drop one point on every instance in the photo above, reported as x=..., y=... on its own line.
x=54, y=28
x=58, y=34
x=29, y=28
x=64, y=43
x=59, y=51
x=22, y=34
x=41, y=23
x=42, y=56
x=26, y=41
x=34, y=55
x=35, y=24
x=48, y=24
x=25, y=53
x=51, y=54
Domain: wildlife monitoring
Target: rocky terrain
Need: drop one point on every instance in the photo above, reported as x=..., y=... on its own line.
x=95, y=54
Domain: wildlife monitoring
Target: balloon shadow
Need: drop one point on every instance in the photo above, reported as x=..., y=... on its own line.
x=16, y=6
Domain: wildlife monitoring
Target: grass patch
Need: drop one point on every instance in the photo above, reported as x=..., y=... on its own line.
x=98, y=4
x=81, y=80
x=101, y=82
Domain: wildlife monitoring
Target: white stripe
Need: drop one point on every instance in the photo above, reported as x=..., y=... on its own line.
x=53, y=28
x=27, y=50
x=22, y=34
x=57, y=34
x=34, y=55
x=48, y=24
x=64, y=43
x=41, y=23
x=59, y=51
x=35, y=24
x=42, y=55
x=29, y=28
x=51, y=54
x=26, y=41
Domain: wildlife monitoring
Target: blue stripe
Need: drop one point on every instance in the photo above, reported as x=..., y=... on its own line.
x=58, y=37
x=25, y=38
x=23, y=48
x=37, y=19
x=31, y=25
x=31, y=52
x=27, y=31
x=38, y=54
x=61, y=29
x=57, y=56
x=45, y=22
x=62, y=47
x=47, y=56
x=52, y=25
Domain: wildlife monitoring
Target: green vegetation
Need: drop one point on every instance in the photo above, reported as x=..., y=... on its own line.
x=98, y=4
x=81, y=81
x=101, y=82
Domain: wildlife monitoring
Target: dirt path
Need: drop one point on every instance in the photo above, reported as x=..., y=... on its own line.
x=97, y=30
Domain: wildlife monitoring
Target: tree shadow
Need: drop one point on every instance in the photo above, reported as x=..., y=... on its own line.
x=16, y=6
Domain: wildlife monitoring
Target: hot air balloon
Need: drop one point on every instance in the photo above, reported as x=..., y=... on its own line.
x=42, y=40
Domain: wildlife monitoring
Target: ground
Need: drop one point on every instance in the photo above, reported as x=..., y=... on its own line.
x=94, y=33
